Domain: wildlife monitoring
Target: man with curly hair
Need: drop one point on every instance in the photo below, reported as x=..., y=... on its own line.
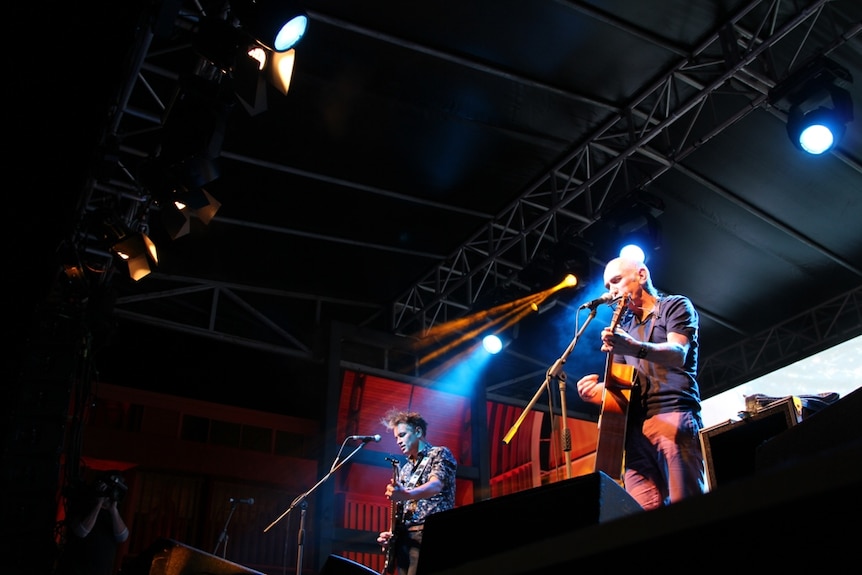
x=425, y=485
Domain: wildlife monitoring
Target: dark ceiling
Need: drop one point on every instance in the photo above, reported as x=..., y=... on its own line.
x=431, y=160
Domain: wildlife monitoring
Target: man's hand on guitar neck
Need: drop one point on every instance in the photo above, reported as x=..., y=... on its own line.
x=619, y=342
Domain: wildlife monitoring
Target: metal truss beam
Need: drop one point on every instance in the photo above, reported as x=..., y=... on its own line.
x=659, y=128
x=824, y=326
x=729, y=75
x=829, y=324
x=227, y=312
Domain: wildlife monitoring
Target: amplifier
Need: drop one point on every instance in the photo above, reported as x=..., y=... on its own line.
x=169, y=557
x=730, y=448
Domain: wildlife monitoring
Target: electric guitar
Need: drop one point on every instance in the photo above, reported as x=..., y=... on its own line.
x=395, y=515
x=615, y=405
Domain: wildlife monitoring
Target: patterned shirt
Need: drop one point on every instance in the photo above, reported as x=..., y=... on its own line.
x=441, y=463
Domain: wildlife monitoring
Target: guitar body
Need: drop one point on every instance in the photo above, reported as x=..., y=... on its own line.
x=395, y=515
x=615, y=407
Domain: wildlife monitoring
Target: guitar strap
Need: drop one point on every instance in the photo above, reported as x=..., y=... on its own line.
x=646, y=335
x=417, y=472
x=410, y=506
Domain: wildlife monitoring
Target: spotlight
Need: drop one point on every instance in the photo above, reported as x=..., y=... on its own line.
x=177, y=212
x=569, y=281
x=176, y=220
x=492, y=344
x=138, y=251
x=635, y=220
x=178, y=192
x=278, y=26
x=257, y=67
x=199, y=202
x=637, y=243
x=818, y=105
x=290, y=33
x=633, y=252
x=819, y=130
x=543, y=307
x=238, y=56
x=249, y=80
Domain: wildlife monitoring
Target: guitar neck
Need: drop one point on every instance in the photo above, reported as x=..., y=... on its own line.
x=612, y=419
x=393, y=516
x=394, y=506
x=394, y=519
x=609, y=362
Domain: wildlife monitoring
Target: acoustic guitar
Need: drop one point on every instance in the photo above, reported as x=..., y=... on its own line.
x=615, y=405
x=395, y=516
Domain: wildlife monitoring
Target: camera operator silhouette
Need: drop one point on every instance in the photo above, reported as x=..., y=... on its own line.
x=94, y=527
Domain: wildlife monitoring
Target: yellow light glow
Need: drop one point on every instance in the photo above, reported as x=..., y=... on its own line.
x=151, y=249
x=282, y=69
x=258, y=54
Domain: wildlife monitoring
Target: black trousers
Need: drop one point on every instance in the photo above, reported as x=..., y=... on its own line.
x=407, y=547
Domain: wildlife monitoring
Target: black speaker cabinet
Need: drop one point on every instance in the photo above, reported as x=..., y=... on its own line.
x=730, y=448
x=169, y=557
x=338, y=565
x=484, y=528
x=833, y=428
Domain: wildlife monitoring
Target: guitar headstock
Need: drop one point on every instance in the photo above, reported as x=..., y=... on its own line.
x=618, y=313
x=394, y=461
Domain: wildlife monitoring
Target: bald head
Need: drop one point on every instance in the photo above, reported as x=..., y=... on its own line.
x=623, y=271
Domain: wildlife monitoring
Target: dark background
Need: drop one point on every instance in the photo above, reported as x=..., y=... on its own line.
x=410, y=132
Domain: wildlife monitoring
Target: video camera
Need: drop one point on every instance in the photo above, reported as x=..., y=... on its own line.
x=111, y=486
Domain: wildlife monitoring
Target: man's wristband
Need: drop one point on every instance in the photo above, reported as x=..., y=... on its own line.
x=643, y=351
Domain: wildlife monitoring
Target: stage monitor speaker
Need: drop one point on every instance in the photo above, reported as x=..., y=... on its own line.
x=730, y=448
x=834, y=428
x=338, y=565
x=503, y=523
x=169, y=557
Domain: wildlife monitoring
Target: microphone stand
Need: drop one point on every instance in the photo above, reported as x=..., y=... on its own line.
x=555, y=372
x=222, y=538
x=303, y=504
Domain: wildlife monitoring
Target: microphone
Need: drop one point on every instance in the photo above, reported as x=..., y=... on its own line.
x=249, y=501
x=604, y=298
x=366, y=438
